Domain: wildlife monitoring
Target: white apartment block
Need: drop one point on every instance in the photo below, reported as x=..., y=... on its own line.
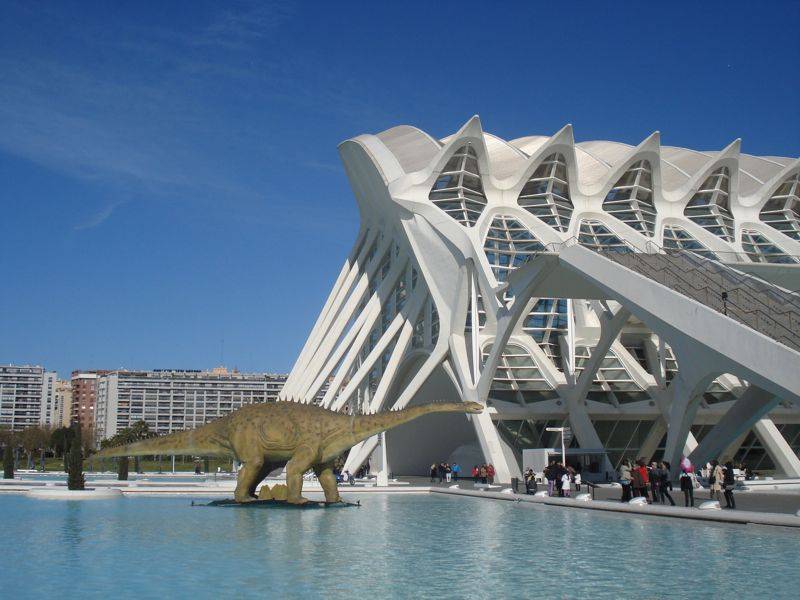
x=174, y=400
x=27, y=397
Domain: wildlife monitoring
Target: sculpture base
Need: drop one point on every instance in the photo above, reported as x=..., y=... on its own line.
x=279, y=504
x=62, y=493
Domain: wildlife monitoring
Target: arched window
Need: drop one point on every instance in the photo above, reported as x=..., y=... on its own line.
x=546, y=193
x=761, y=249
x=459, y=190
x=782, y=210
x=677, y=238
x=593, y=234
x=710, y=206
x=508, y=245
x=611, y=376
x=631, y=199
x=516, y=370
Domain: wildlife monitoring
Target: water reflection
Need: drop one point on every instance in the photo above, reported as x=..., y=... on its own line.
x=407, y=546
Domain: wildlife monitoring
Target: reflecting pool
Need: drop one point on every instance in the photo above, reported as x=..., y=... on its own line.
x=409, y=546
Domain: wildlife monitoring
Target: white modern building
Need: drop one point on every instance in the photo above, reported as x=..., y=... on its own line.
x=27, y=397
x=174, y=400
x=645, y=296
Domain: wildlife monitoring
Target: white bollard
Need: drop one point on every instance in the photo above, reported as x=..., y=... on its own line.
x=638, y=501
x=709, y=505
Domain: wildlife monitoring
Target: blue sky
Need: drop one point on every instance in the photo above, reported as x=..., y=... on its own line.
x=169, y=177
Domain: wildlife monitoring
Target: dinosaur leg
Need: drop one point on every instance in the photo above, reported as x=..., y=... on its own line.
x=328, y=482
x=301, y=461
x=265, y=470
x=248, y=479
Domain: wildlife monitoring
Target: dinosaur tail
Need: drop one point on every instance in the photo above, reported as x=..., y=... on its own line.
x=195, y=441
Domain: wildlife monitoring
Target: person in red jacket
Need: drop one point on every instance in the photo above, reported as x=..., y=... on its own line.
x=490, y=472
x=643, y=480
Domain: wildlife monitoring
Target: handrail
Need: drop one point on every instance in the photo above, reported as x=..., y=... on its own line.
x=743, y=297
x=728, y=300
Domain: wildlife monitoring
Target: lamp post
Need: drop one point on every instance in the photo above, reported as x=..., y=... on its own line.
x=562, y=431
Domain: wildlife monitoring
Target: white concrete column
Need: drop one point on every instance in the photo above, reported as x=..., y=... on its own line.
x=778, y=449
x=751, y=406
x=495, y=450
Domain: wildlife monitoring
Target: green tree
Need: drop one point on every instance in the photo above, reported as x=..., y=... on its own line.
x=34, y=439
x=75, y=480
x=60, y=439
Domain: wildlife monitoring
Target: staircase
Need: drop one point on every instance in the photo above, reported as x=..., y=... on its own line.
x=764, y=307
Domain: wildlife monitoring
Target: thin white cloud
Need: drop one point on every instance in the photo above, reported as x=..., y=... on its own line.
x=99, y=218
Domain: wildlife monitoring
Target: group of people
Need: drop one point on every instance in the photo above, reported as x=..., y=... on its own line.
x=445, y=472
x=560, y=479
x=483, y=473
x=651, y=481
x=654, y=482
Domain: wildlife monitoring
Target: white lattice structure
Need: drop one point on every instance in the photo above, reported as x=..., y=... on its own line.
x=471, y=238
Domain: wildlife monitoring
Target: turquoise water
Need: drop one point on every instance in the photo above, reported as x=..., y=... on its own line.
x=393, y=546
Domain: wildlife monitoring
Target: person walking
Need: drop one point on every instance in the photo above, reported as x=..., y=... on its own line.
x=576, y=479
x=476, y=472
x=456, y=469
x=433, y=473
x=687, y=487
x=664, y=483
x=483, y=474
x=490, y=472
x=625, y=480
x=728, y=483
x=715, y=480
x=448, y=473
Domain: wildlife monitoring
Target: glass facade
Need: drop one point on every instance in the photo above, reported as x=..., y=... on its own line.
x=761, y=249
x=546, y=323
x=612, y=383
x=631, y=199
x=782, y=210
x=677, y=238
x=546, y=193
x=593, y=234
x=710, y=206
x=459, y=190
x=508, y=245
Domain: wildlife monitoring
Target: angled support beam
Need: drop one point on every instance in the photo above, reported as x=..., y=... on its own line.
x=751, y=406
x=340, y=291
x=778, y=449
x=374, y=305
x=523, y=287
x=338, y=320
x=685, y=391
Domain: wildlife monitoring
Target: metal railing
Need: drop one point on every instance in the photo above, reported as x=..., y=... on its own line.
x=747, y=299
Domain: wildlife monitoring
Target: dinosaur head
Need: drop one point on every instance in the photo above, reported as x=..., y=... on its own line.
x=473, y=407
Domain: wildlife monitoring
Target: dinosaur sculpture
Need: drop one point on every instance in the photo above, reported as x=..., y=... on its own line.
x=265, y=437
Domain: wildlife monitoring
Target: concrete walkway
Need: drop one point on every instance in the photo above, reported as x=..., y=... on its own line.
x=762, y=508
x=722, y=516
